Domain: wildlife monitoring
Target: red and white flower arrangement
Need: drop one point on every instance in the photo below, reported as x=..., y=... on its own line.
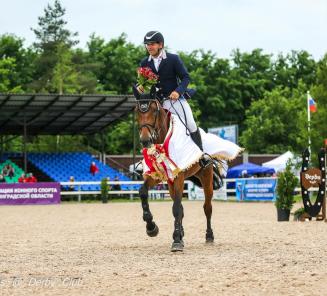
x=146, y=78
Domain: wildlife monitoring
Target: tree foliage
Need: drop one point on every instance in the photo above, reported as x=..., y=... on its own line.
x=263, y=94
x=52, y=29
x=55, y=71
x=318, y=119
x=276, y=123
x=16, y=64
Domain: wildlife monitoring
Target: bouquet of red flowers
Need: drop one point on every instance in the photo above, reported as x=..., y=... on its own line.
x=146, y=78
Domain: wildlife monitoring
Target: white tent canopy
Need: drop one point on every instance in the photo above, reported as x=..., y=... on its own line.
x=279, y=163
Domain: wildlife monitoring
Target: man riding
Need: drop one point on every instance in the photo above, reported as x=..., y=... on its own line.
x=172, y=85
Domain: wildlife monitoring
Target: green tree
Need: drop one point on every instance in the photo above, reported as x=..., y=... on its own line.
x=251, y=75
x=87, y=79
x=209, y=76
x=54, y=144
x=52, y=31
x=17, y=63
x=318, y=119
x=276, y=123
x=118, y=138
x=54, y=69
x=118, y=59
x=7, y=72
x=289, y=70
x=65, y=77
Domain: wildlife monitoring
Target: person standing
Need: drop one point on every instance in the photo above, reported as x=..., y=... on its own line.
x=93, y=168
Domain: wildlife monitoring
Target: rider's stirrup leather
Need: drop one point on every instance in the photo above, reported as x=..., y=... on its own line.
x=217, y=177
x=205, y=160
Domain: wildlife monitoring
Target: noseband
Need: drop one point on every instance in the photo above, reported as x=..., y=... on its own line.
x=143, y=106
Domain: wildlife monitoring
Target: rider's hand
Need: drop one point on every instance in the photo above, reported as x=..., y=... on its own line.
x=174, y=95
x=140, y=89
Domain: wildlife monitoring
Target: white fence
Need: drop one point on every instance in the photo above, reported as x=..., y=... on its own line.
x=153, y=194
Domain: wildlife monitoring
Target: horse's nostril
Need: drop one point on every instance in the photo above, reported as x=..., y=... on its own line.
x=146, y=143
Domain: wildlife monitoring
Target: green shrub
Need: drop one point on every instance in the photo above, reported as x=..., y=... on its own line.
x=104, y=190
x=286, y=183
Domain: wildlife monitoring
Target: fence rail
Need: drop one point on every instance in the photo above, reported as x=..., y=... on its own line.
x=131, y=193
x=152, y=193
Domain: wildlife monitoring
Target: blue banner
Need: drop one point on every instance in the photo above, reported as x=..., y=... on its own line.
x=228, y=132
x=256, y=189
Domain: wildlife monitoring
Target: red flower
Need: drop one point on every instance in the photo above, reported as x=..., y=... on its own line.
x=146, y=78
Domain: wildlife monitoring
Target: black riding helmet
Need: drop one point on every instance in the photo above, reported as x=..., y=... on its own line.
x=153, y=36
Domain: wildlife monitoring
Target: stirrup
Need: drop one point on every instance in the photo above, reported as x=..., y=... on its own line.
x=217, y=178
x=205, y=160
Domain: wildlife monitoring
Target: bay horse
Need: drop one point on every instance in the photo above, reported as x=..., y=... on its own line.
x=153, y=125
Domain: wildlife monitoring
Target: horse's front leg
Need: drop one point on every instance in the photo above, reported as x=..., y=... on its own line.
x=176, y=192
x=151, y=227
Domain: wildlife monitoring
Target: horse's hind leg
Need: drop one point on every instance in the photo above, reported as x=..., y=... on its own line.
x=206, y=178
x=151, y=227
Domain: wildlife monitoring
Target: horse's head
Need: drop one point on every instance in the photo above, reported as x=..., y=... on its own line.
x=148, y=116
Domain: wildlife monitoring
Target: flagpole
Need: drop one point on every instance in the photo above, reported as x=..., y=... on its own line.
x=309, y=120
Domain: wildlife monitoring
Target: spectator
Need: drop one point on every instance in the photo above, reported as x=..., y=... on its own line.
x=244, y=174
x=22, y=179
x=8, y=170
x=71, y=187
x=5, y=170
x=11, y=172
x=109, y=186
x=31, y=178
x=2, y=179
x=93, y=168
x=116, y=187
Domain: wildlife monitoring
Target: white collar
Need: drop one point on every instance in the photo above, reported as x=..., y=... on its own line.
x=162, y=55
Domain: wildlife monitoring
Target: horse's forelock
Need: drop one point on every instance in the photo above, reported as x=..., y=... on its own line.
x=144, y=105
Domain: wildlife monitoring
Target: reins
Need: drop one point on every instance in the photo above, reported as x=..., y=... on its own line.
x=143, y=106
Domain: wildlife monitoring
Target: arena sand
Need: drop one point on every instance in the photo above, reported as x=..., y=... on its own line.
x=102, y=249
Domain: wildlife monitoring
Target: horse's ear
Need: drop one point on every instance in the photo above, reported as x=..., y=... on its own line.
x=153, y=92
x=136, y=92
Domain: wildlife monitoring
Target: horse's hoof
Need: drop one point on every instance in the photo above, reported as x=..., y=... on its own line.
x=153, y=232
x=177, y=246
x=209, y=240
x=209, y=237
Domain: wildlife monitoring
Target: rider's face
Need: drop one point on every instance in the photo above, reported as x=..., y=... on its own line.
x=154, y=48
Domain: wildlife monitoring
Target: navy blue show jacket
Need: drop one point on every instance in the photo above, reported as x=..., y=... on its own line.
x=173, y=75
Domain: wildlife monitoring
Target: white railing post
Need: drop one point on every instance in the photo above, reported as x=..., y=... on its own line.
x=79, y=195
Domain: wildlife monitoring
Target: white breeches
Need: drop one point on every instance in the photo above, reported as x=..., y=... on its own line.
x=176, y=107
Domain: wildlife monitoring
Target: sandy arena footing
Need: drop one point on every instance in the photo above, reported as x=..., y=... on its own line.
x=102, y=249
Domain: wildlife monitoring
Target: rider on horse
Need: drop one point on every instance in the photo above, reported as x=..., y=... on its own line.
x=172, y=85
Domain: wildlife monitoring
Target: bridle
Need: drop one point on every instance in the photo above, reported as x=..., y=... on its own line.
x=143, y=106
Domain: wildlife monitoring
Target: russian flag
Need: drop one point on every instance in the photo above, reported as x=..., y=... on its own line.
x=312, y=104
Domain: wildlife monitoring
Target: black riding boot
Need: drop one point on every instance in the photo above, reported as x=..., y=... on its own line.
x=205, y=159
